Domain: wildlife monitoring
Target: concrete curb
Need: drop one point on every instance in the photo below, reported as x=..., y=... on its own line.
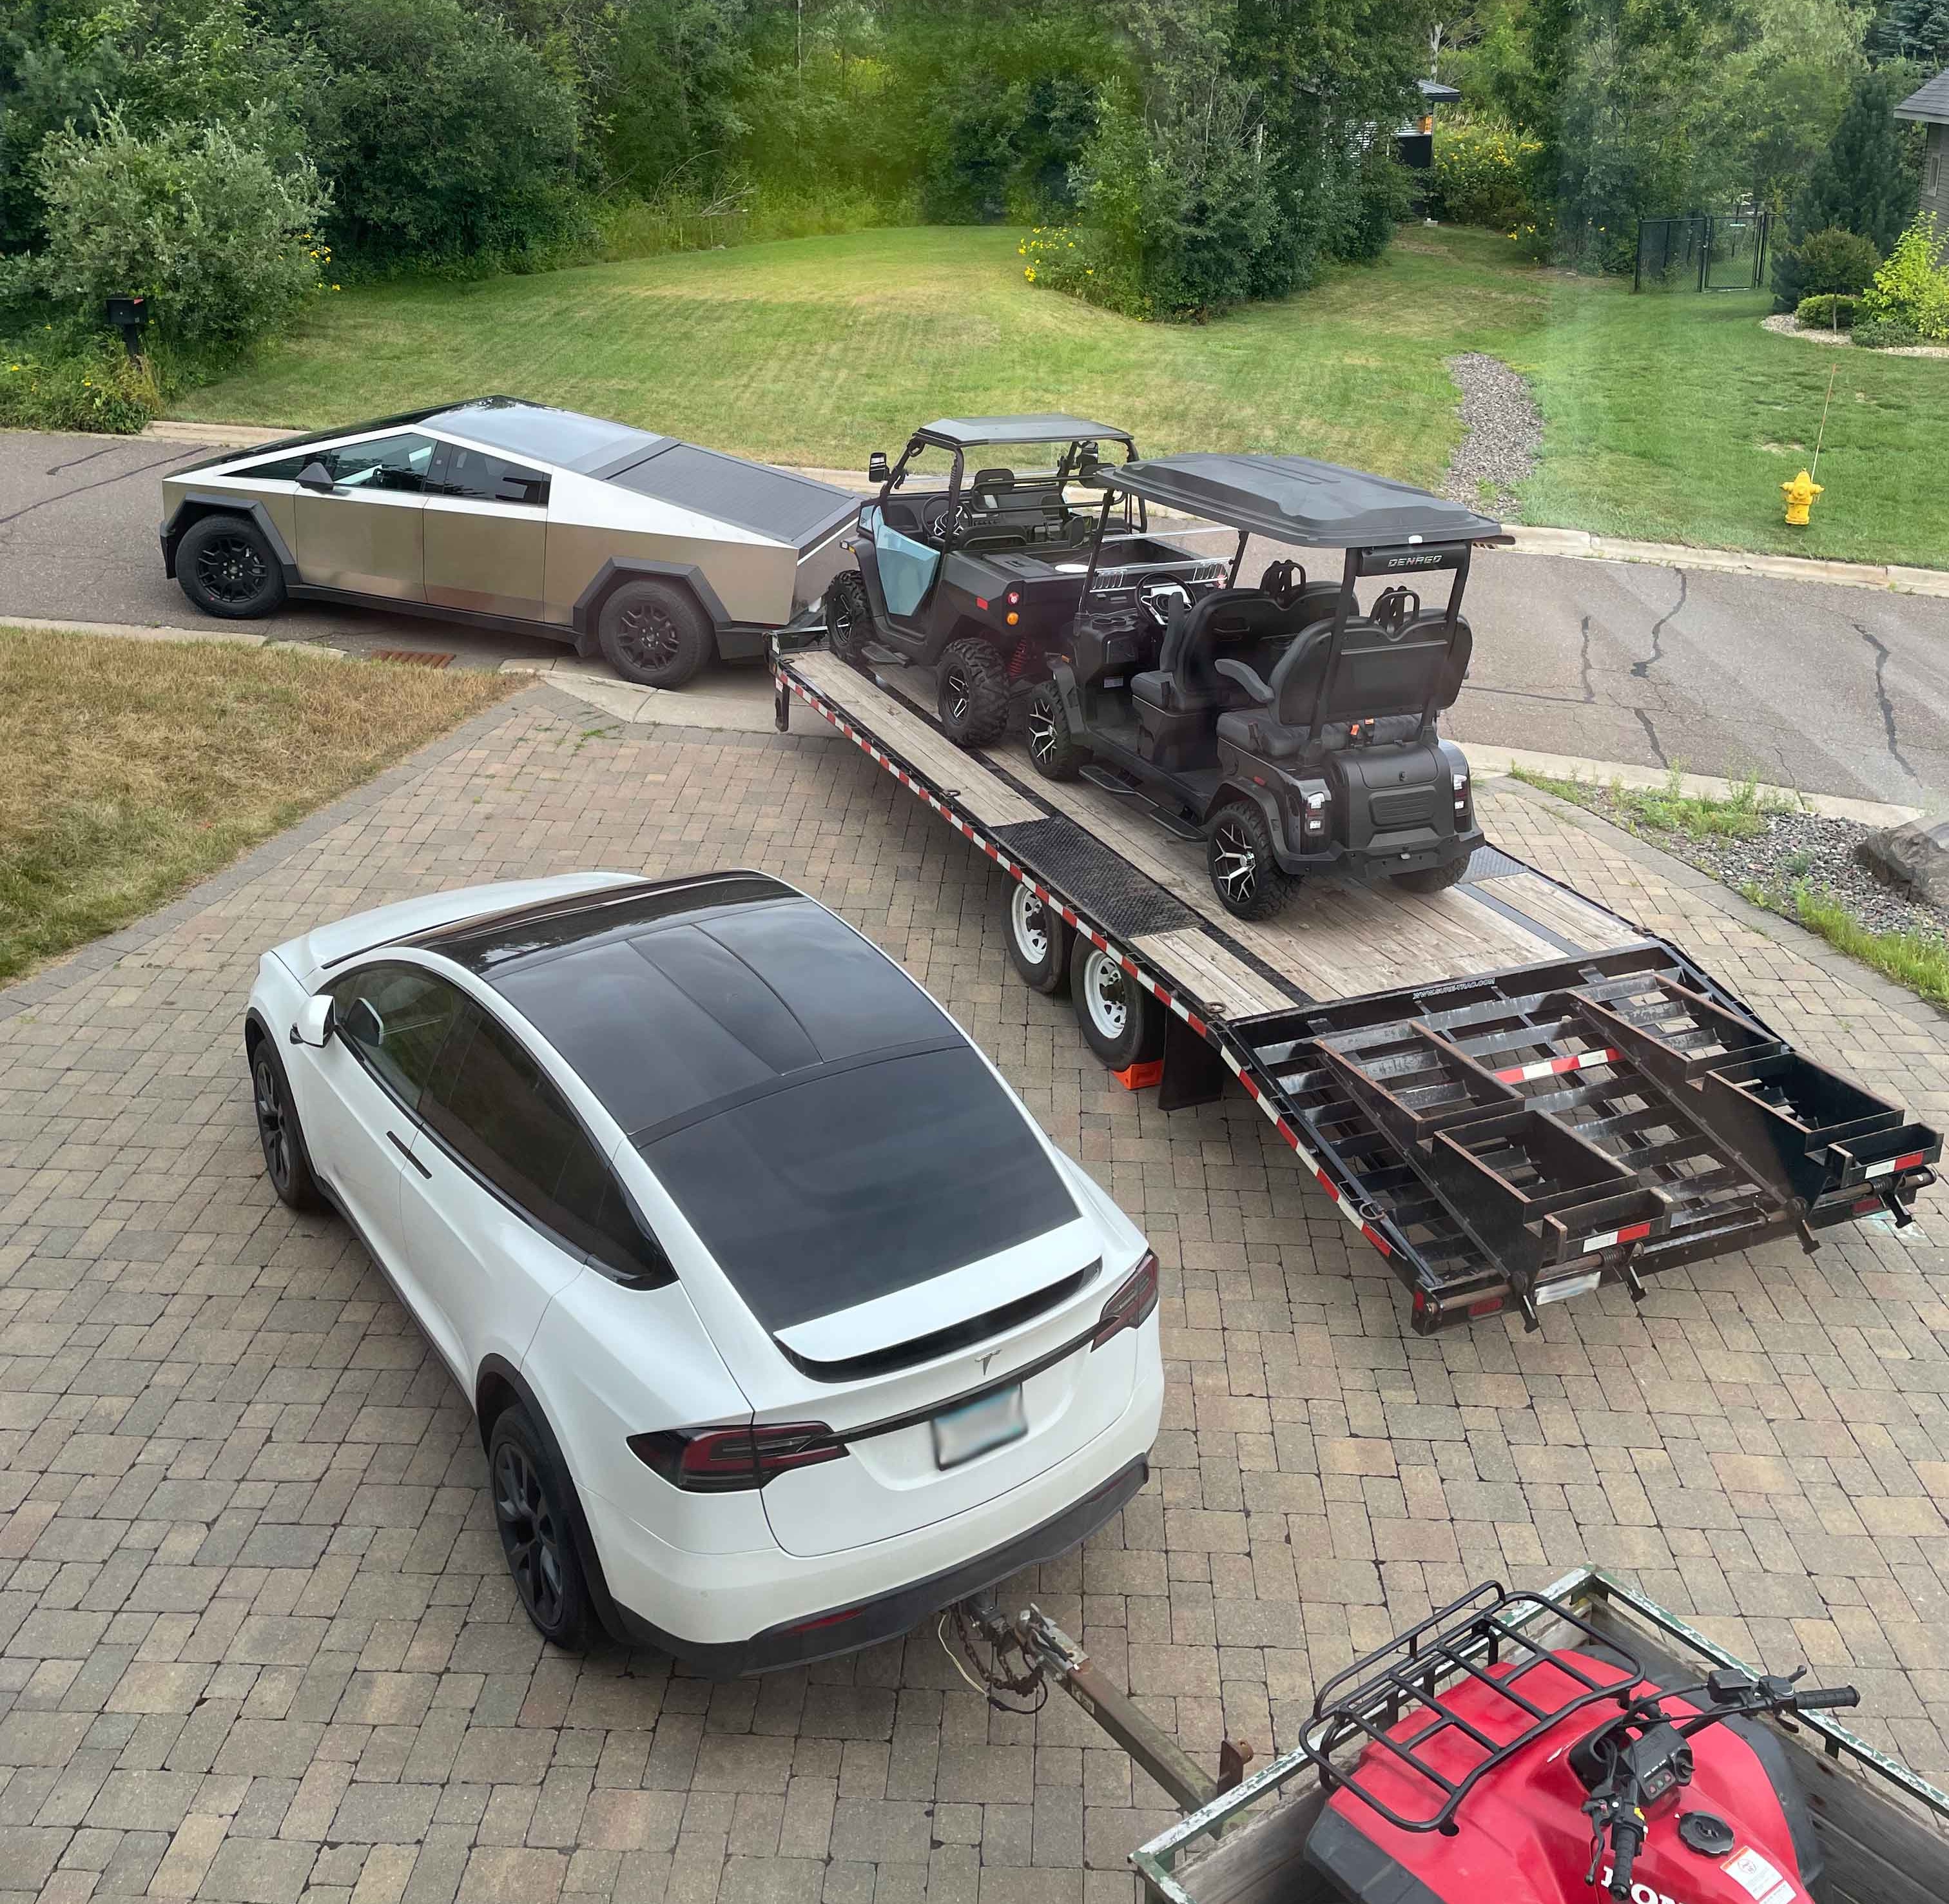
x=1530, y=539
x=1784, y=931
x=138, y=631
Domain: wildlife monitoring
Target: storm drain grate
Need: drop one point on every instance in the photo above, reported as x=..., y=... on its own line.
x=412, y=657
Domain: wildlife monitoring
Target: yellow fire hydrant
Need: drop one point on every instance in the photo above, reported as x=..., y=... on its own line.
x=1800, y=494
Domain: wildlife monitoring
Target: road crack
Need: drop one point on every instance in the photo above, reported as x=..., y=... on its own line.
x=1881, y=697
x=1643, y=669
x=1584, y=665
x=1651, y=734
x=81, y=489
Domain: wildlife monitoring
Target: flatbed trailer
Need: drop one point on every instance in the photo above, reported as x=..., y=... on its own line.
x=1515, y=1095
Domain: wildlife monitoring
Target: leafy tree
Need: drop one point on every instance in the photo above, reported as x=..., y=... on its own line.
x=669, y=104
x=1915, y=30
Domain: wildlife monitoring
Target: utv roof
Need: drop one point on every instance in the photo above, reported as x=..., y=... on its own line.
x=1053, y=426
x=1293, y=499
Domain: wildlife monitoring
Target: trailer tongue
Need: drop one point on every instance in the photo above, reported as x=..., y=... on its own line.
x=1515, y=1095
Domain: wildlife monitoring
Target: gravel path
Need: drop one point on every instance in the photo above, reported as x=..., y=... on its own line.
x=1787, y=325
x=1502, y=431
x=1797, y=848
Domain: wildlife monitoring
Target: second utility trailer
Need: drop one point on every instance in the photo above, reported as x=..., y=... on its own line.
x=1515, y=1095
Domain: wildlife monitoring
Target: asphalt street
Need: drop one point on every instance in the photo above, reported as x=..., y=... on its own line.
x=1831, y=689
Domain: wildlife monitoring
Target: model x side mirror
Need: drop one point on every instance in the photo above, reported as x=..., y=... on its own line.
x=316, y=476
x=877, y=471
x=316, y=1021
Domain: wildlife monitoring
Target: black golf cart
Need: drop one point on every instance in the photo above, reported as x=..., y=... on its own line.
x=1287, y=723
x=974, y=575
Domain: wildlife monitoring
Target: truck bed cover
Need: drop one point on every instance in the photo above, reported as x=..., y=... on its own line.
x=1513, y=1093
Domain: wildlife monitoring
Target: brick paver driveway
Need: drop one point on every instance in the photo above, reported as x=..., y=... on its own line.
x=257, y=1640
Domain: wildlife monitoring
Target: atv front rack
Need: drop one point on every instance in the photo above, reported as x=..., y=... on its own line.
x=1401, y=1683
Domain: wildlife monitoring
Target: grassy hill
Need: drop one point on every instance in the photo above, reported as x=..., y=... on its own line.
x=1673, y=418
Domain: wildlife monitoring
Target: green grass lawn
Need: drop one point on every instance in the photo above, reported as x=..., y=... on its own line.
x=1670, y=418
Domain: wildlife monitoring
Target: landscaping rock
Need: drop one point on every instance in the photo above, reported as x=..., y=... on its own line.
x=1503, y=431
x=1916, y=855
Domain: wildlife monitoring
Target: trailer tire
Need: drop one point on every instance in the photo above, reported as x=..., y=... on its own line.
x=1054, y=751
x=1239, y=856
x=1038, y=941
x=1434, y=879
x=849, y=617
x=1121, y=1022
x=974, y=693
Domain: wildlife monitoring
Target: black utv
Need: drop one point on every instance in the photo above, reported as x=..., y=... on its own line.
x=973, y=556
x=1290, y=725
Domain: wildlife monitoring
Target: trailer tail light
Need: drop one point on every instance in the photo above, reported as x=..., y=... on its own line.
x=727, y=1460
x=1132, y=1305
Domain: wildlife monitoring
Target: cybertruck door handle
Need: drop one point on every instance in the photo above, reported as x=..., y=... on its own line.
x=405, y=1150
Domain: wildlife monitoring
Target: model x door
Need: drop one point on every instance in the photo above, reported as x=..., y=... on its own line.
x=358, y=508
x=486, y=534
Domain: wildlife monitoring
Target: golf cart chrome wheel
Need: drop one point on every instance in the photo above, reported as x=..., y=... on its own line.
x=1243, y=862
x=1053, y=750
x=956, y=696
x=1043, y=737
x=532, y=1533
x=1234, y=864
x=232, y=570
x=1039, y=940
x=1106, y=996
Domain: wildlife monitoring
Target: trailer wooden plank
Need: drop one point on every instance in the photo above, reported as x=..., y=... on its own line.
x=1211, y=973
x=1574, y=918
x=986, y=798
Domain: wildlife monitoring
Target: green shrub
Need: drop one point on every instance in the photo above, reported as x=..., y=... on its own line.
x=1082, y=261
x=1913, y=287
x=61, y=380
x=221, y=243
x=1481, y=176
x=1834, y=260
x=1885, y=333
x=1830, y=311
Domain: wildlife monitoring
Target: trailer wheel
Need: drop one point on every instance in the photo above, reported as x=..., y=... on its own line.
x=1434, y=879
x=1038, y=941
x=849, y=619
x=974, y=693
x=1245, y=873
x=1052, y=746
x=1122, y=1023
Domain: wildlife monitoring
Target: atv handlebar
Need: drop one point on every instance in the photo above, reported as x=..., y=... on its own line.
x=1826, y=1696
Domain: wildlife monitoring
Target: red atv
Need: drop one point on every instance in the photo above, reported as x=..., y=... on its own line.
x=1536, y=1776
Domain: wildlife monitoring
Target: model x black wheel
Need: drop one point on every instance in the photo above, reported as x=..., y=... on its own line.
x=849, y=620
x=1038, y=940
x=974, y=693
x=533, y=1504
x=226, y=567
x=287, y=1163
x=1245, y=874
x=654, y=634
x=1434, y=879
x=1121, y=1022
x=1052, y=746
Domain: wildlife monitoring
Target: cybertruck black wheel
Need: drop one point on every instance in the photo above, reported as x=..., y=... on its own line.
x=1245, y=874
x=849, y=620
x=1434, y=879
x=654, y=635
x=227, y=568
x=1052, y=746
x=974, y=693
x=1038, y=941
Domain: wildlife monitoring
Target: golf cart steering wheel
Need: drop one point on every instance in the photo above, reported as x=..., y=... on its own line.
x=947, y=523
x=1162, y=596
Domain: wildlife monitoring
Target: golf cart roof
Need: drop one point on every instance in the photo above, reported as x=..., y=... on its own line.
x=962, y=432
x=1293, y=499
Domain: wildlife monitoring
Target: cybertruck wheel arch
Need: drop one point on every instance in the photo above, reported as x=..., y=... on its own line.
x=199, y=503
x=586, y=614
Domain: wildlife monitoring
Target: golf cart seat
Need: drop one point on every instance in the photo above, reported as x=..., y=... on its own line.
x=1392, y=674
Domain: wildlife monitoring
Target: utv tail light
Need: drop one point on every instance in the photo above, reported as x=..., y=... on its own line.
x=1461, y=793
x=1135, y=1299
x=725, y=1461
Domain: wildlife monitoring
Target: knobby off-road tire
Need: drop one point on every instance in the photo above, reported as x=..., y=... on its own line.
x=654, y=634
x=1434, y=879
x=849, y=619
x=1054, y=749
x=227, y=568
x=974, y=693
x=1239, y=855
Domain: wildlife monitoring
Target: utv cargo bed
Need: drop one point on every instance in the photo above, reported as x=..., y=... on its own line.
x=1515, y=1095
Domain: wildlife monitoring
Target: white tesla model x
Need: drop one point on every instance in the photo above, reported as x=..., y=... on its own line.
x=785, y=1324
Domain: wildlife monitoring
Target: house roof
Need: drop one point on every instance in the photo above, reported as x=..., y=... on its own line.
x=1930, y=104
x=1437, y=93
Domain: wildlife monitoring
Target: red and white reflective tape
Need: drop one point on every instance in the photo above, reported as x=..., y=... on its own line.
x=1308, y=1160
x=1630, y=1232
x=1891, y=1166
x=1556, y=1067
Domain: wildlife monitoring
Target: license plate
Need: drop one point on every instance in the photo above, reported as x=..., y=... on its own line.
x=1570, y=1286
x=1112, y=680
x=976, y=1426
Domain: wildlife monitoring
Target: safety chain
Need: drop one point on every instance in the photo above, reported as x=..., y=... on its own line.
x=990, y=1679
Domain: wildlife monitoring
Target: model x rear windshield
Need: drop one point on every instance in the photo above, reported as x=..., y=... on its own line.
x=859, y=1182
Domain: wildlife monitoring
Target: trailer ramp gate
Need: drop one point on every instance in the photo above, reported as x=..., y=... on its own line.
x=1504, y=1141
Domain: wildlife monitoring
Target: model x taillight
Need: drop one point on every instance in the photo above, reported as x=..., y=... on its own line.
x=721, y=1460
x=1136, y=1297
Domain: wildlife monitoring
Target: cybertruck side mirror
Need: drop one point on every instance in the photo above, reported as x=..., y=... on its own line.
x=316, y=1021
x=316, y=476
x=877, y=471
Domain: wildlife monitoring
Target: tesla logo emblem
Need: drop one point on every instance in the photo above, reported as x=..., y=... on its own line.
x=987, y=1358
